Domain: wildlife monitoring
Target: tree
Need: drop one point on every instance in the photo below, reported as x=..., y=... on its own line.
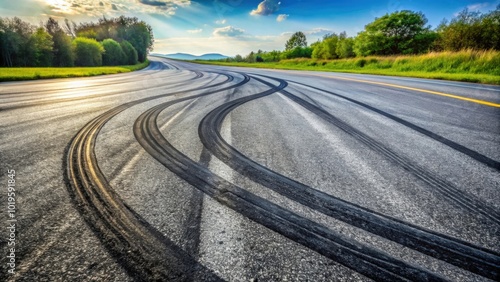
x=138, y=33
x=87, y=34
x=42, y=43
x=330, y=46
x=403, y=32
x=113, y=53
x=318, y=50
x=127, y=40
x=470, y=30
x=272, y=56
x=345, y=48
x=250, y=58
x=16, y=45
x=297, y=52
x=238, y=58
x=130, y=53
x=69, y=28
x=326, y=49
x=62, y=52
x=88, y=52
x=52, y=26
x=9, y=43
x=298, y=39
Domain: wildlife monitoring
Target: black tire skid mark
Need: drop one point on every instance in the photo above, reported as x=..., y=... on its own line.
x=460, y=253
x=143, y=251
x=443, y=187
x=443, y=140
x=365, y=260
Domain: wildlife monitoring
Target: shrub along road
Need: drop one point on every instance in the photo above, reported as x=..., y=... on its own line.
x=192, y=172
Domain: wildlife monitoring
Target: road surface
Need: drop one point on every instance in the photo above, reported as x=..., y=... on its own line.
x=187, y=172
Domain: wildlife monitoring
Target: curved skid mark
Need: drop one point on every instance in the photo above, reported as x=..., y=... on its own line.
x=144, y=252
x=448, y=190
x=460, y=253
x=443, y=140
x=365, y=260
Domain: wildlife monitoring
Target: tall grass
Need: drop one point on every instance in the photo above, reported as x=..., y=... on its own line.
x=13, y=74
x=467, y=61
x=466, y=65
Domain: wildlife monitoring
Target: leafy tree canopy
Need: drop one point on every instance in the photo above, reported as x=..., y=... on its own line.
x=125, y=40
x=298, y=39
x=138, y=33
x=113, y=53
x=88, y=52
x=470, y=30
x=403, y=32
x=131, y=57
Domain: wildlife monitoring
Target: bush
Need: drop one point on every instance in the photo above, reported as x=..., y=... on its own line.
x=113, y=53
x=470, y=30
x=131, y=57
x=297, y=52
x=42, y=43
x=88, y=52
x=360, y=63
x=403, y=32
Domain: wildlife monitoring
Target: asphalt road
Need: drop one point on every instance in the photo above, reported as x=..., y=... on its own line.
x=187, y=172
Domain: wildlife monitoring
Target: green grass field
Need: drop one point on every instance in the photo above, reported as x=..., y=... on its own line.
x=468, y=65
x=13, y=74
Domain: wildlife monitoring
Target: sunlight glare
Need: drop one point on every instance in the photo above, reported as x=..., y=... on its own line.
x=73, y=89
x=76, y=84
x=60, y=6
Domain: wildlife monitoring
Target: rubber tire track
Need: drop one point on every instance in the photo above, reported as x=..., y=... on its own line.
x=448, y=190
x=363, y=259
x=460, y=253
x=143, y=251
x=443, y=140
x=443, y=187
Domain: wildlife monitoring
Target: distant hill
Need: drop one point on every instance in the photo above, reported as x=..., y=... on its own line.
x=189, y=57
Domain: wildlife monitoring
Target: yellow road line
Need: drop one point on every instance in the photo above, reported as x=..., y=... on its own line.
x=486, y=103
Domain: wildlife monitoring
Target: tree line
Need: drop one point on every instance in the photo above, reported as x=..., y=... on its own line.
x=399, y=33
x=115, y=41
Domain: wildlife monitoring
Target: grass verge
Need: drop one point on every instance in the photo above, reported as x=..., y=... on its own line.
x=14, y=74
x=467, y=65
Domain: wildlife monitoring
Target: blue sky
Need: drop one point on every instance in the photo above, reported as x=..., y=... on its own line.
x=235, y=27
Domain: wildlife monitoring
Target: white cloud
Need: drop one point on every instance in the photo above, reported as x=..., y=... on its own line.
x=223, y=21
x=477, y=6
x=311, y=34
x=194, y=31
x=163, y=7
x=318, y=31
x=110, y=8
x=266, y=7
x=282, y=17
x=228, y=31
x=163, y=3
